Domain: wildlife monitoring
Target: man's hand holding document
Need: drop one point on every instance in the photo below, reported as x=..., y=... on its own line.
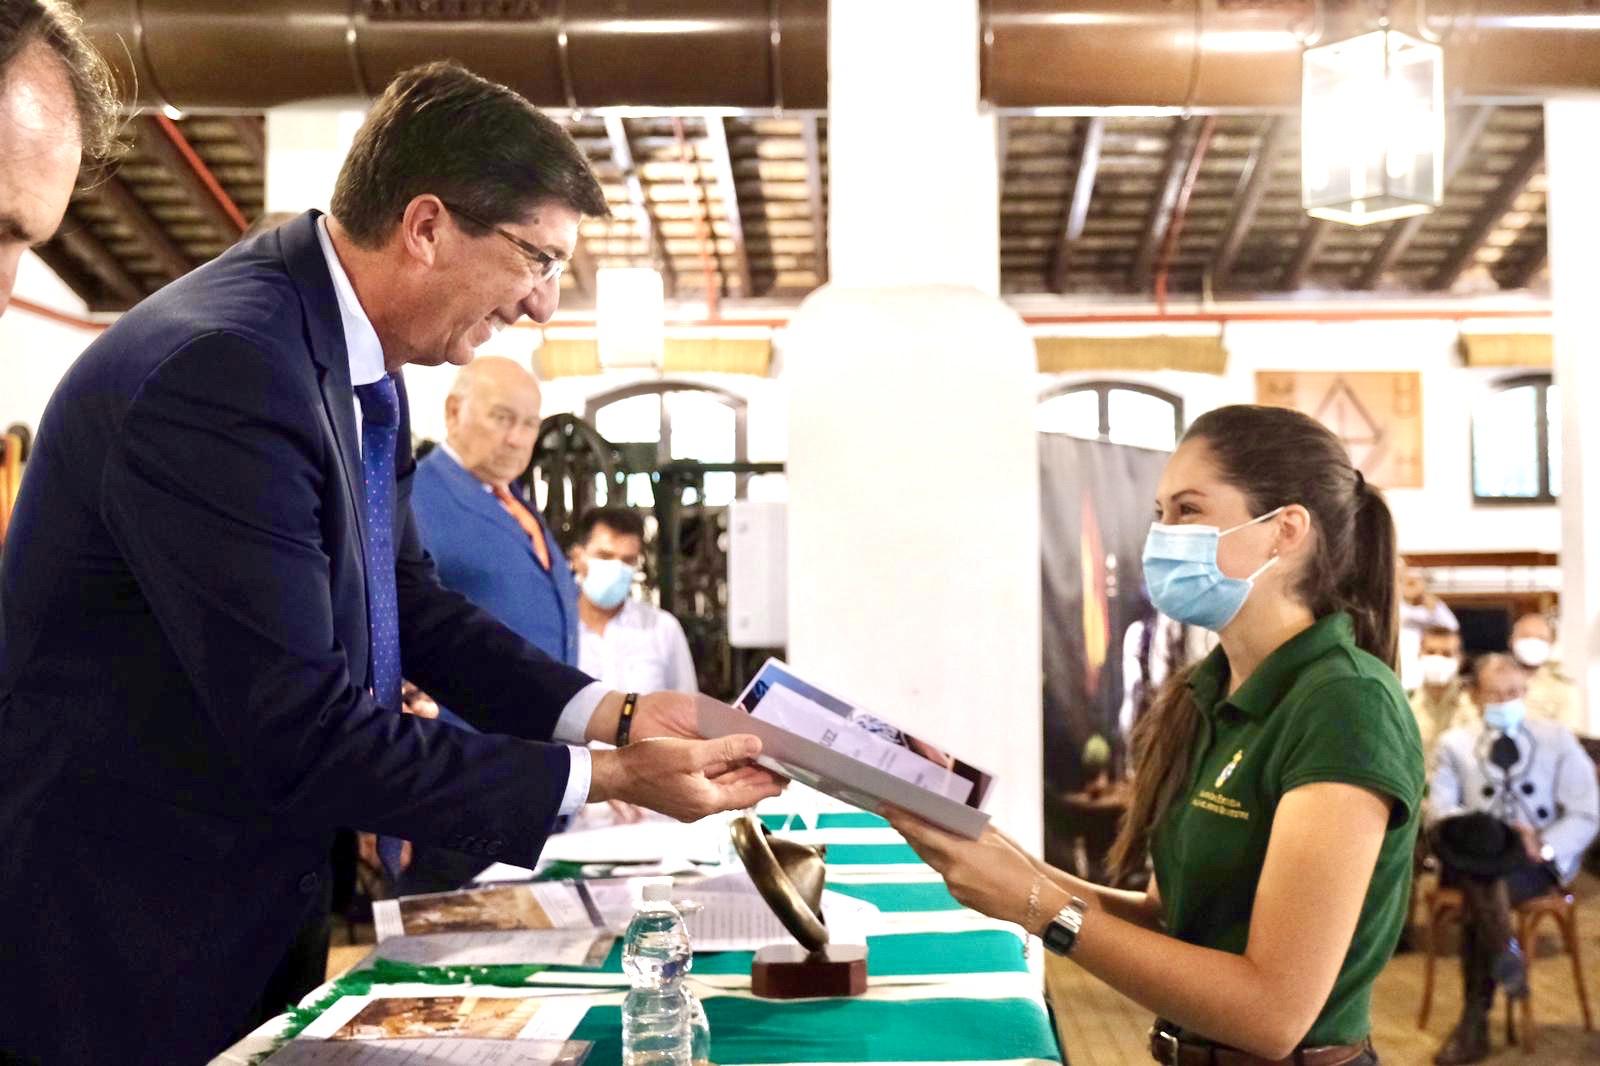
x=839, y=748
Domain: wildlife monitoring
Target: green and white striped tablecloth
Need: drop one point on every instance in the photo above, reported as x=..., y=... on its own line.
x=945, y=984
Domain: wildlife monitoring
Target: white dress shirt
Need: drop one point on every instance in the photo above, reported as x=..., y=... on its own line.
x=366, y=366
x=642, y=650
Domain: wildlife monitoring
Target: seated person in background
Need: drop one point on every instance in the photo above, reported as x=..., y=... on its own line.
x=1420, y=610
x=1513, y=804
x=1551, y=694
x=489, y=545
x=624, y=641
x=1441, y=702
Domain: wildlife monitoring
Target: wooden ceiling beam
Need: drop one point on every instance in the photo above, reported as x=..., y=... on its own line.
x=1160, y=214
x=86, y=247
x=1468, y=127
x=1252, y=188
x=251, y=132
x=158, y=144
x=1078, y=208
x=1522, y=275
x=1512, y=184
x=115, y=194
x=643, y=220
x=722, y=162
x=814, y=194
x=1312, y=240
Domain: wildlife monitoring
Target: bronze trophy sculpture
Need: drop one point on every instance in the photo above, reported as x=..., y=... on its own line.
x=790, y=877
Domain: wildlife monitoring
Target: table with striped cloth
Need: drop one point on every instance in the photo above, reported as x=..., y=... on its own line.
x=945, y=984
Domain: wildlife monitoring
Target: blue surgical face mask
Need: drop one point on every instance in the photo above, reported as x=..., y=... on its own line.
x=607, y=582
x=1180, y=568
x=1505, y=717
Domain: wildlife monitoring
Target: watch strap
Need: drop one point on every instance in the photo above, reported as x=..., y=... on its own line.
x=1061, y=935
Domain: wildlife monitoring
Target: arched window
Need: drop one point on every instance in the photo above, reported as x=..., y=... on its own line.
x=684, y=421
x=1516, y=442
x=1117, y=412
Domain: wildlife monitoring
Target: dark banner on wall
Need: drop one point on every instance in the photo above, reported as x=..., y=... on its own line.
x=1096, y=502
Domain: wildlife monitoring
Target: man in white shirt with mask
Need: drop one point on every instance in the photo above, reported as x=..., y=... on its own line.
x=1441, y=702
x=1551, y=694
x=621, y=638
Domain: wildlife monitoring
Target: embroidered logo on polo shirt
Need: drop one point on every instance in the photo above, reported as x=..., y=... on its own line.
x=1227, y=771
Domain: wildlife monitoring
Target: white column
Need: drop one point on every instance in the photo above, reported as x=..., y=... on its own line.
x=903, y=85
x=913, y=465
x=1573, y=161
x=306, y=147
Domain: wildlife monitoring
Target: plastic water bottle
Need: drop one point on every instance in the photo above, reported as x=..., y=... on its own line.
x=699, y=1030
x=656, y=1016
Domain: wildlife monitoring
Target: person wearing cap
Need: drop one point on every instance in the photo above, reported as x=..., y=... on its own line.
x=1551, y=694
x=1513, y=803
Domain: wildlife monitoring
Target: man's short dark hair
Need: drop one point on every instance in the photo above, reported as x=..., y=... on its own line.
x=623, y=521
x=1441, y=631
x=94, y=90
x=441, y=129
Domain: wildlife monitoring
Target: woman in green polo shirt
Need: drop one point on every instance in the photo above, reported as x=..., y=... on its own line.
x=1277, y=782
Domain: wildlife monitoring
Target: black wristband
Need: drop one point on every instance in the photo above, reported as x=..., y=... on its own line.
x=630, y=703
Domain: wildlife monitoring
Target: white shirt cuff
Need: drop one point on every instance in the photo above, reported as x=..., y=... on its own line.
x=579, y=777
x=573, y=725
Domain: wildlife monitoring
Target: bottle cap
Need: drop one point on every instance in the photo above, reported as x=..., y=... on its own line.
x=657, y=891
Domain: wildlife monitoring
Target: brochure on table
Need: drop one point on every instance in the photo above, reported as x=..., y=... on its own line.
x=415, y=1025
x=837, y=747
x=553, y=923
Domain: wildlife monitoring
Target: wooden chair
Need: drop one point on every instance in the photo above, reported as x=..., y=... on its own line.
x=1446, y=904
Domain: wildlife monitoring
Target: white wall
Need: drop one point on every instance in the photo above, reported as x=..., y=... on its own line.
x=34, y=351
x=767, y=413
x=1437, y=518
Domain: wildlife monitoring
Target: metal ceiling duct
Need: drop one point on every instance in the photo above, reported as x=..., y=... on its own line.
x=247, y=55
x=1245, y=54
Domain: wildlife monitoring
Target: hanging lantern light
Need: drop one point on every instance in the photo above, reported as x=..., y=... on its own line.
x=1372, y=128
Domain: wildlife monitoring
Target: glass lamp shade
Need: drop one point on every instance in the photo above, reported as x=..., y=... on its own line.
x=1372, y=128
x=630, y=317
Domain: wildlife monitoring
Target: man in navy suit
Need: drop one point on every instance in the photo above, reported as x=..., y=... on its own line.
x=213, y=583
x=489, y=544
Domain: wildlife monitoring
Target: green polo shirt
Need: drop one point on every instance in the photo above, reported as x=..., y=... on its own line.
x=1318, y=709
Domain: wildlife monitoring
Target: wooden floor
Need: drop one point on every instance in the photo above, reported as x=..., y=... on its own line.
x=1099, y=1027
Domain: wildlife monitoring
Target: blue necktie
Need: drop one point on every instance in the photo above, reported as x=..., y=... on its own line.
x=380, y=430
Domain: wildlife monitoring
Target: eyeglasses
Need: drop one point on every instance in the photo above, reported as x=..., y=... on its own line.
x=546, y=266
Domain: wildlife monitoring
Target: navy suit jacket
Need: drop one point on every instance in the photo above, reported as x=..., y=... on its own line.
x=184, y=669
x=482, y=553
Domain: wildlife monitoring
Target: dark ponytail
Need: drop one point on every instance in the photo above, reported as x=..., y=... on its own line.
x=1276, y=457
x=1368, y=591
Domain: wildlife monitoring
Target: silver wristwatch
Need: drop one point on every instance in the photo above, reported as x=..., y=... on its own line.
x=1061, y=935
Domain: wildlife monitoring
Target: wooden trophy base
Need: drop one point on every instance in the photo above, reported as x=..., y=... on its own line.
x=789, y=971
